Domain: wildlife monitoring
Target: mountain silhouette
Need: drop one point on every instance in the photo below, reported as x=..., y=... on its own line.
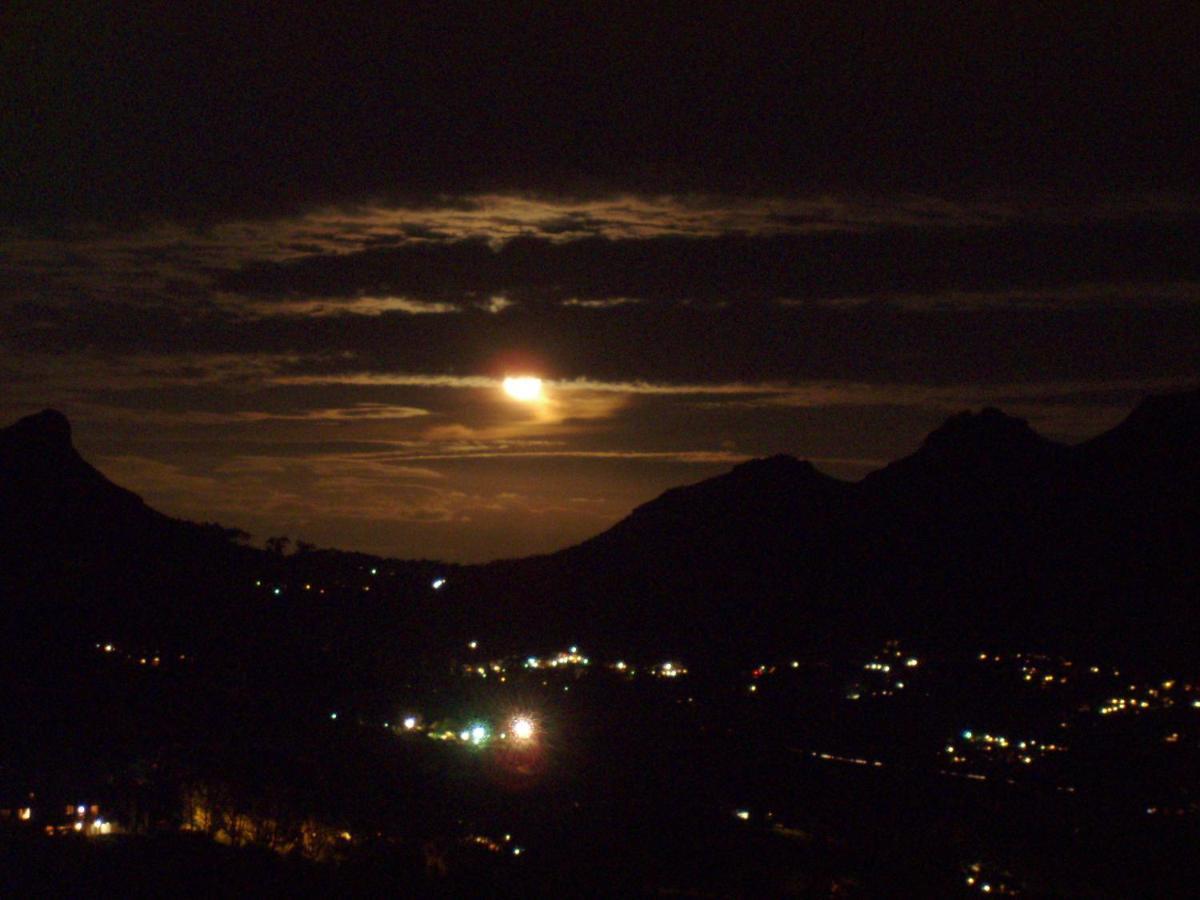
x=989, y=534
x=84, y=556
x=50, y=495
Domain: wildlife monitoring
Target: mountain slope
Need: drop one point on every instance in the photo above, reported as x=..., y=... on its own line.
x=83, y=560
x=988, y=531
x=83, y=555
x=48, y=490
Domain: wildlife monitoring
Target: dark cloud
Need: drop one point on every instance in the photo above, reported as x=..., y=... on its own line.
x=734, y=268
x=682, y=343
x=126, y=114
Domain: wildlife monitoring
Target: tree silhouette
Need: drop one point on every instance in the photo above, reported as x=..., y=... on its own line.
x=278, y=545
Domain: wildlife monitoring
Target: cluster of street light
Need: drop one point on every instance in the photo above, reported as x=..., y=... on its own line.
x=521, y=728
x=572, y=660
x=998, y=748
x=884, y=673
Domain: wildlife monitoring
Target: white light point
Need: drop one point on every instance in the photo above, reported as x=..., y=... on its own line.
x=522, y=728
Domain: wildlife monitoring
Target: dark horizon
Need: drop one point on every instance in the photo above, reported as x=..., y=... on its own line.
x=54, y=416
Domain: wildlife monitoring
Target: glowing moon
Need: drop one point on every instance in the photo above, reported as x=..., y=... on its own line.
x=526, y=388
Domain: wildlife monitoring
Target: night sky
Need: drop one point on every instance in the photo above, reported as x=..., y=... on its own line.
x=275, y=265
